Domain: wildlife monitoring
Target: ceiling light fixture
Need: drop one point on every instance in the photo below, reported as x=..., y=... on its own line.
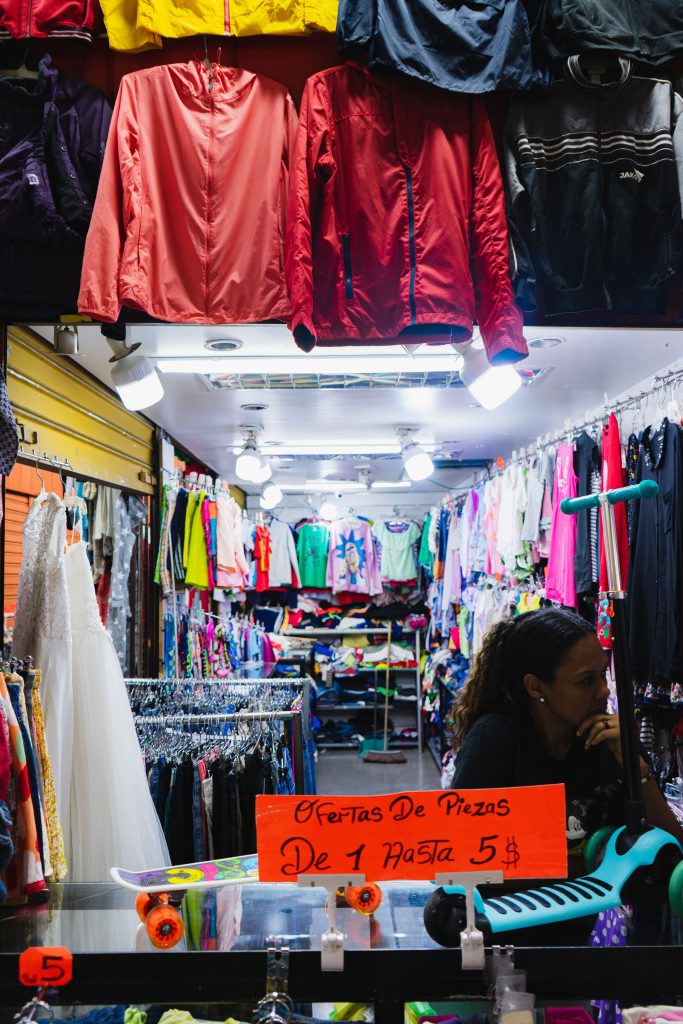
x=66, y=340
x=545, y=342
x=134, y=376
x=416, y=461
x=248, y=462
x=327, y=486
x=336, y=448
x=223, y=344
x=390, y=485
x=489, y=385
x=271, y=495
x=324, y=365
x=264, y=472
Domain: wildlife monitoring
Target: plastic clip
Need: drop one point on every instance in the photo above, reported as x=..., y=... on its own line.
x=471, y=939
x=332, y=941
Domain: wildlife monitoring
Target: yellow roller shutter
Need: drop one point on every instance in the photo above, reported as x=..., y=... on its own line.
x=76, y=417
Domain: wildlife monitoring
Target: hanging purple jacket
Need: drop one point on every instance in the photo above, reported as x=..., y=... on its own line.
x=53, y=131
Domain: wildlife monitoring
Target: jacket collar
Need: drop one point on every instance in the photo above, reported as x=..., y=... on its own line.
x=31, y=90
x=228, y=84
x=580, y=78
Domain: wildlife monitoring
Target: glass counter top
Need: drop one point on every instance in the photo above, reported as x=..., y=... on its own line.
x=101, y=918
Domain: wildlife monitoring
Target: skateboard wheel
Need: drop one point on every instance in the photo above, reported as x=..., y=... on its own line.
x=145, y=901
x=364, y=898
x=594, y=850
x=676, y=889
x=164, y=926
x=445, y=917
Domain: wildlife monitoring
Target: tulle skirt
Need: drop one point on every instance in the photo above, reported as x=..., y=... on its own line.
x=113, y=820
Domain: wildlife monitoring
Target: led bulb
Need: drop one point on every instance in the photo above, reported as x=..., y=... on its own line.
x=271, y=495
x=418, y=463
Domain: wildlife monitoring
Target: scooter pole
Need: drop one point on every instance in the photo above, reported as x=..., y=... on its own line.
x=634, y=805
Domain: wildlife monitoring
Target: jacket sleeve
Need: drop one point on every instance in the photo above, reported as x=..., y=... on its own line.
x=117, y=205
x=677, y=131
x=498, y=316
x=312, y=165
x=520, y=217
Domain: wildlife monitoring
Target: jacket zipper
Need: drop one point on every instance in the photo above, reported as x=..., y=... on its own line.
x=209, y=183
x=411, y=241
x=29, y=11
x=608, y=299
x=348, y=276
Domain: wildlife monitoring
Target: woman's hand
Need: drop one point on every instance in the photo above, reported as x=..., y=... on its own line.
x=602, y=728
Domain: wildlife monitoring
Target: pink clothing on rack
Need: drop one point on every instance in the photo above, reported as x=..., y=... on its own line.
x=614, y=475
x=206, y=523
x=560, y=583
x=494, y=565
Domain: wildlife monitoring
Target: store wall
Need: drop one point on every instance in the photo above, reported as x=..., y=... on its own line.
x=65, y=412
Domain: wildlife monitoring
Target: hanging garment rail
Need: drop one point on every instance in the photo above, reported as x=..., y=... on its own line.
x=241, y=686
x=44, y=459
x=221, y=718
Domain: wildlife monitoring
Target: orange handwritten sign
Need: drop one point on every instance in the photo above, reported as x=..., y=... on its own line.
x=520, y=831
x=49, y=966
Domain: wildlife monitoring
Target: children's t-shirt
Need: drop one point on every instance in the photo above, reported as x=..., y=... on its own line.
x=312, y=548
x=397, y=537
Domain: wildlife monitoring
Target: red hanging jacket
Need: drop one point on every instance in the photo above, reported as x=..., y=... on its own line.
x=396, y=217
x=39, y=19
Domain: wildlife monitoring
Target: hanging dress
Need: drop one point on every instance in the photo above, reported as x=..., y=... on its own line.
x=113, y=819
x=42, y=631
x=560, y=583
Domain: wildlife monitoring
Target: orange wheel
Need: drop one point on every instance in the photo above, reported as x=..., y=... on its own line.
x=364, y=898
x=145, y=901
x=164, y=926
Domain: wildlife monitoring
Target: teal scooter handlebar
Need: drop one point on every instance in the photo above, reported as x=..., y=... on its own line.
x=645, y=489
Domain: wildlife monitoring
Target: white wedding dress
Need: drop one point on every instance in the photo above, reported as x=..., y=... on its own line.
x=113, y=819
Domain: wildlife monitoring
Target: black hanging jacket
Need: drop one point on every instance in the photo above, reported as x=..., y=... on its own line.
x=593, y=176
x=646, y=30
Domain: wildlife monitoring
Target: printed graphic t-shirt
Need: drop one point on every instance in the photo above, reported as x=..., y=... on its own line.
x=312, y=548
x=397, y=537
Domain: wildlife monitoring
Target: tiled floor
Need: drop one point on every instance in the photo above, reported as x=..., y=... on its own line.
x=344, y=772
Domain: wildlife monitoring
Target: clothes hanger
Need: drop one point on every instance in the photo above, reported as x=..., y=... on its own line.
x=43, y=489
x=21, y=71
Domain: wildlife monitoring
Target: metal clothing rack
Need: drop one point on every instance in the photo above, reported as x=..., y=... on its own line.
x=221, y=718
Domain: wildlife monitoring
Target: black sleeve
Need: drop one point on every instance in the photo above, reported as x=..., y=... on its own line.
x=487, y=757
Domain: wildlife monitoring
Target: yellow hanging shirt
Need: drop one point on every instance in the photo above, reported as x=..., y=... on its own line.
x=184, y=18
x=120, y=20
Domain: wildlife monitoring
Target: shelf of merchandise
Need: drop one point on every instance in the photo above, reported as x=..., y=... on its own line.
x=388, y=978
x=378, y=631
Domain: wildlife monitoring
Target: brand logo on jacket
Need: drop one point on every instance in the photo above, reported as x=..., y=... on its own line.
x=636, y=176
x=33, y=179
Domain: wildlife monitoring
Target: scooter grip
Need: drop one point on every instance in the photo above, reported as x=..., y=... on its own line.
x=636, y=492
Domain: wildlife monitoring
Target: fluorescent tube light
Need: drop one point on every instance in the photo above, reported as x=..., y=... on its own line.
x=323, y=365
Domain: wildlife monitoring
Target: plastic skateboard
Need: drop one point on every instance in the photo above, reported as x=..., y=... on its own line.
x=161, y=890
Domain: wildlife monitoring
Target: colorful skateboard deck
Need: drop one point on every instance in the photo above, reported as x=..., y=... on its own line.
x=208, y=874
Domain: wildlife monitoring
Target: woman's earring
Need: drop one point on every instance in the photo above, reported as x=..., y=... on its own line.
x=541, y=700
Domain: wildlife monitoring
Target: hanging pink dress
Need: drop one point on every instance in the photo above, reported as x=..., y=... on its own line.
x=560, y=585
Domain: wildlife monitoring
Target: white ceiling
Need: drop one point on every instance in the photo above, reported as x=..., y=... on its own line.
x=589, y=363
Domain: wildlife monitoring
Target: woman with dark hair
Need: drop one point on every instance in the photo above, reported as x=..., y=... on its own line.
x=534, y=711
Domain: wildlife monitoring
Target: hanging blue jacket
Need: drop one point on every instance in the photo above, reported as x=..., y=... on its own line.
x=53, y=130
x=474, y=46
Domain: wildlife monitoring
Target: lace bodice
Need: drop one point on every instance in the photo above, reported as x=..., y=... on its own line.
x=42, y=603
